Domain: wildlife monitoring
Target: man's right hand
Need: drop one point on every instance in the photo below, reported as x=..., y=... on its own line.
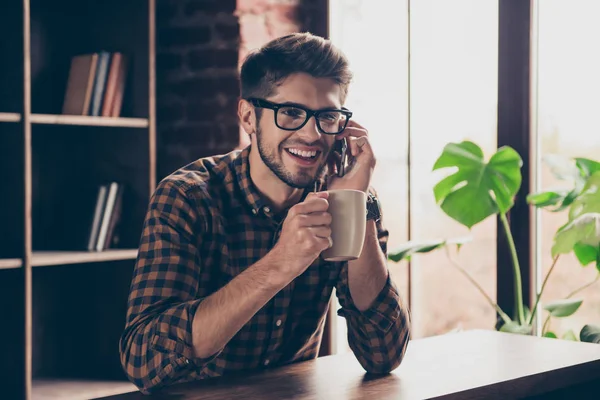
x=305, y=233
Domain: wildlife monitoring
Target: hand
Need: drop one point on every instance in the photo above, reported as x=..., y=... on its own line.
x=305, y=233
x=361, y=160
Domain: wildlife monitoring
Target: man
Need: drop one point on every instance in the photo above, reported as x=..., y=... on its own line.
x=228, y=275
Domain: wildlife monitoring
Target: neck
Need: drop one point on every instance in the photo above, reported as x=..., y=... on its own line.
x=279, y=194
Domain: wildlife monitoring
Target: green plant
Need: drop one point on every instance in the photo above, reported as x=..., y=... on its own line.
x=476, y=190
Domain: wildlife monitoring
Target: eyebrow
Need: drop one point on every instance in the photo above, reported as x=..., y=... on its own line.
x=291, y=103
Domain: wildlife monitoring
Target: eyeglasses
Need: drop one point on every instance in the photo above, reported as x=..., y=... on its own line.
x=291, y=117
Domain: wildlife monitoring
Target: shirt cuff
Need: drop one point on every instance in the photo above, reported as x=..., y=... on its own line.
x=383, y=311
x=169, y=338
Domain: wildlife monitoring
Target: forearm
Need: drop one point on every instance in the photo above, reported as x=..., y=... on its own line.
x=221, y=315
x=367, y=275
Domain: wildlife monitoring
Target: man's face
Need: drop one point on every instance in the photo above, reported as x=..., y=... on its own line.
x=298, y=157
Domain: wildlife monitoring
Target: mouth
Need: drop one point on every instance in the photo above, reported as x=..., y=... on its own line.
x=304, y=157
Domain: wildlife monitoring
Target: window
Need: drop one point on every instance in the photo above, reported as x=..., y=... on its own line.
x=452, y=97
x=376, y=44
x=454, y=81
x=568, y=105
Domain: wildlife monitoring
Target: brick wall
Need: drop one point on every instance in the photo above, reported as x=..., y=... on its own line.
x=200, y=45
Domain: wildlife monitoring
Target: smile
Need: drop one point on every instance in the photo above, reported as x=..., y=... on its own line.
x=303, y=157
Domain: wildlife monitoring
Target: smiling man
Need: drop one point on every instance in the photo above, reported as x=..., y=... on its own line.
x=228, y=275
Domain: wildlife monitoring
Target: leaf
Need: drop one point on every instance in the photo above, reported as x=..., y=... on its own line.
x=586, y=253
x=514, y=327
x=569, y=335
x=588, y=200
x=585, y=230
x=550, y=335
x=545, y=199
x=477, y=189
x=590, y=334
x=409, y=248
x=587, y=167
x=554, y=200
x=563, y=308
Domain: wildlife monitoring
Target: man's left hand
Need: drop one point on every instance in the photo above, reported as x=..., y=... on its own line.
x=361, y=160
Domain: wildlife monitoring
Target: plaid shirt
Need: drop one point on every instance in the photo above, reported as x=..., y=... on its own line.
x=205, y=224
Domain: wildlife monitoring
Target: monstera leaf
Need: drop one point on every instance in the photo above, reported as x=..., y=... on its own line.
x=477, y=189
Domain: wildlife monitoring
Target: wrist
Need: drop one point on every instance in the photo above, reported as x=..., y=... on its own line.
x=280, y=272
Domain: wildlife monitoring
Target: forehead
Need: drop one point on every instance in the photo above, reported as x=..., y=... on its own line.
x=312, y=92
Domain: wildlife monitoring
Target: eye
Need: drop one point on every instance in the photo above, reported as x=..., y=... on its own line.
x=292, y=112
x=329, y=116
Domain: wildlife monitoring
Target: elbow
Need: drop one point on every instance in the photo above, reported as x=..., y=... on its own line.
x=147, y=380
x=384, y=364
x=137, y=369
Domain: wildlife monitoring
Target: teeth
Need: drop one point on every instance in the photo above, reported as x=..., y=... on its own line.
x=302, y=153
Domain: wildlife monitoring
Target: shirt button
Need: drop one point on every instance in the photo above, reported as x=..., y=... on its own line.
x=266, y=362
x=278, y=323
x=267, y=209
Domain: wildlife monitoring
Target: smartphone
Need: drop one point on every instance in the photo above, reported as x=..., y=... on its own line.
x=343, y=150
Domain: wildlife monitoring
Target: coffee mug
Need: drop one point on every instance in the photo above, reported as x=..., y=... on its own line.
x=348, y=209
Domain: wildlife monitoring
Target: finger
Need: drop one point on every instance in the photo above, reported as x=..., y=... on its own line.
x=354, y=129
x=322, y=195
x=360, y=145
x=323, y=243
x=316, y=219
x=310, y=205
x=321, y=231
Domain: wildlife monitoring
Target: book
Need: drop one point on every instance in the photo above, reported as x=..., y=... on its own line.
x=78, y=93
x=112, y=198
x=114, y=75
x=117, y=100
x=99, y=83
x=97, y=219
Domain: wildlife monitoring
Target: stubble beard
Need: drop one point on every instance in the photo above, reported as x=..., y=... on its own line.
x=299, y=180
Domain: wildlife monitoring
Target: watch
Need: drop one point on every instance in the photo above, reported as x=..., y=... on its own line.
x=373, y=208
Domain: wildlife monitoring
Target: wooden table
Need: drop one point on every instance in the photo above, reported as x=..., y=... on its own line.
x=469, y=364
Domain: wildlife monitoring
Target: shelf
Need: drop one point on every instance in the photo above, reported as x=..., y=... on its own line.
x=55, y=119
x=64, y=389
x=47, y=258
x=8, y=263
x=10, y=117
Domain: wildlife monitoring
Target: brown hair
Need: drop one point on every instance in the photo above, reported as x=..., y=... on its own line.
x=264, y=69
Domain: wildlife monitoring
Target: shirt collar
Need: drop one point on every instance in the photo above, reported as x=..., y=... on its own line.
x=249, y=191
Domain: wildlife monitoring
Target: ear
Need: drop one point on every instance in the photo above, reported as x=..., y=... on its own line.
x=247, y=116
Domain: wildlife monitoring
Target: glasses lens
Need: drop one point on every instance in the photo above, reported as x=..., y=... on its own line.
x=332, y=121
x=290, y=117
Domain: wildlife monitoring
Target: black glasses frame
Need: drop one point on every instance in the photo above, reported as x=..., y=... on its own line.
x=262, y=103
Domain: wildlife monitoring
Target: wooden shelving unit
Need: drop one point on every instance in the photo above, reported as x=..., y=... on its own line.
x=62, y=324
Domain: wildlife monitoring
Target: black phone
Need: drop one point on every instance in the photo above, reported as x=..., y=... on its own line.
x=342, y=148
